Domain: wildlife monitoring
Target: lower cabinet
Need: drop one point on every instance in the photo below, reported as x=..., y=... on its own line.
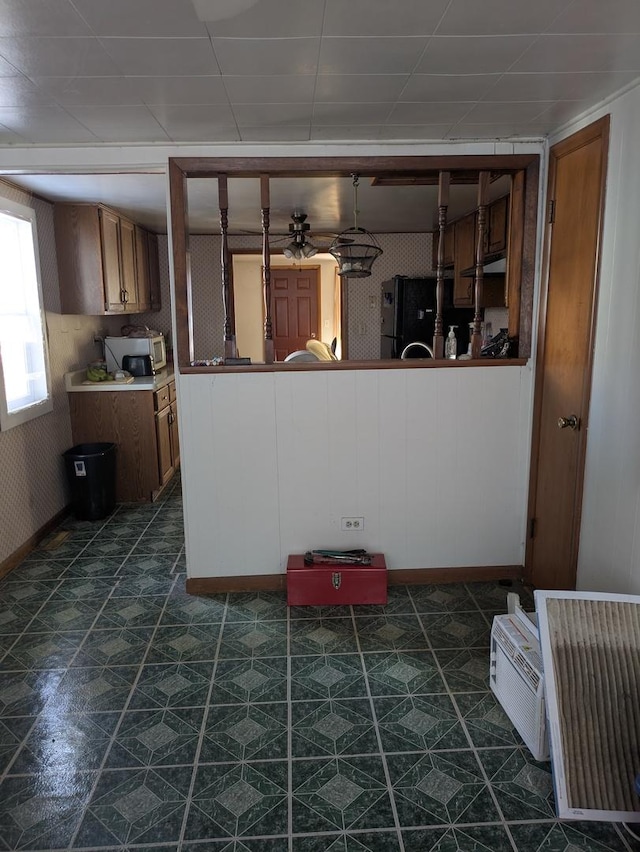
x=143, y=426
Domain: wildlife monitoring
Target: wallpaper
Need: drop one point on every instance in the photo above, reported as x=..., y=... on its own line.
x=403, y=254
x=33, y=487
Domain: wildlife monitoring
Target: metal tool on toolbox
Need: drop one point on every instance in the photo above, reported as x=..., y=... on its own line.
x=331, y=557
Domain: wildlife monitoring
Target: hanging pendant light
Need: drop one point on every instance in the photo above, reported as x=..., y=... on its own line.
x=355, y=249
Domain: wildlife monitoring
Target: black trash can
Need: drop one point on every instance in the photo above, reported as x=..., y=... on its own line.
x=91, y=472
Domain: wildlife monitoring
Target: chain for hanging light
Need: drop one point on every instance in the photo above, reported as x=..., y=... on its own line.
x=355, y=249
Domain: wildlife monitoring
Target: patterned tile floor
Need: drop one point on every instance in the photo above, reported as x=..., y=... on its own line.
x=134, y=716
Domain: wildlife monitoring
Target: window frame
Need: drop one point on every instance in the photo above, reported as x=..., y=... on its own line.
x=11, y=419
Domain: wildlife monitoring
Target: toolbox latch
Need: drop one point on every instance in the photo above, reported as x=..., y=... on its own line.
x=336, y=579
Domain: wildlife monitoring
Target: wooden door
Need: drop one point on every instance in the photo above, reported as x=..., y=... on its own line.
x=163, y=435
x=128, y=265
x=577, y=172
x=294, y=308
x=110, y=239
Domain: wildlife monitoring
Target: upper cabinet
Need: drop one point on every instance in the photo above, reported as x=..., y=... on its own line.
x=497, y=226
x=104, y=262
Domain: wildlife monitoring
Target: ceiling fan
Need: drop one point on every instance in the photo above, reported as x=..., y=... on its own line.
x=300, y=247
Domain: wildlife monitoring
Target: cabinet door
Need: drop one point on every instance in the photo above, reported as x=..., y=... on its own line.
x=163, y=433
x=497, y=230
x=175, y=439
x=128, y=265
x=155, y=300
x=465, y=259
x=110, y=246
x=142, y=269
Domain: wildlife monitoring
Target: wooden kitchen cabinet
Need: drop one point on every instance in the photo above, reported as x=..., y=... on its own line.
x=497, y=226
x=98, y=265
x=146, y=437
x=465, y=257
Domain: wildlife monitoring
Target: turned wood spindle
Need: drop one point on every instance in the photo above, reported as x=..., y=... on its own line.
x=483, y=193
x=227, y=292
x=266, y=269
x=444, y=181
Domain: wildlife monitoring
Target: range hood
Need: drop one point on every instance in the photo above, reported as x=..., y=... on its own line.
x=495, y=267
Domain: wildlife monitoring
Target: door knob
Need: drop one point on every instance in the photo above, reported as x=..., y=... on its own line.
x=572, y=421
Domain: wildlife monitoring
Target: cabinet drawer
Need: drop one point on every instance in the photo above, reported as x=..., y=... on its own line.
x=161, y=398
x=172, y=391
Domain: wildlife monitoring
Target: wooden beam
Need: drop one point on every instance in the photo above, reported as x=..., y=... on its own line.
x=181, y=265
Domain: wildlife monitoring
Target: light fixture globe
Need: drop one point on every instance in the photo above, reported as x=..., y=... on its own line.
x=299, y=248
x=355, y=249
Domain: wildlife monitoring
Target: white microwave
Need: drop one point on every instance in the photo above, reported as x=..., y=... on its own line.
x=116, y=347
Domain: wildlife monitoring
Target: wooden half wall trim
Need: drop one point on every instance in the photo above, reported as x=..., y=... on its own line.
x=14, y=559
x=397, y=577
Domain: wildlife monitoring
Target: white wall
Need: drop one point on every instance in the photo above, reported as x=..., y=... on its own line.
x=609, y=557
x=435, y=460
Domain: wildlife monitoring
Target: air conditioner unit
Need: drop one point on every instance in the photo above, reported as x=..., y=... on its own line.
x=517, y=680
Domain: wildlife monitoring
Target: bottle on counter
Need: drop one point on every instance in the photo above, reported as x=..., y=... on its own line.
x=451, y=344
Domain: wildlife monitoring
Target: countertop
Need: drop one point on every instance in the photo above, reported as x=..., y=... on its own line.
x=74, y=382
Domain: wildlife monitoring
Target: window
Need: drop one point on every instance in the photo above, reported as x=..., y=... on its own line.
x=25, y=390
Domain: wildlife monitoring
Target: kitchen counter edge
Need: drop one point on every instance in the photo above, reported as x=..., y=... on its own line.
x=74, y=382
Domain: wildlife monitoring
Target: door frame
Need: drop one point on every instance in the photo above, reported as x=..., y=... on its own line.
x=598, y=129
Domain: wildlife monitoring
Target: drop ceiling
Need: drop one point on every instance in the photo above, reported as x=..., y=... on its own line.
x=174, y=72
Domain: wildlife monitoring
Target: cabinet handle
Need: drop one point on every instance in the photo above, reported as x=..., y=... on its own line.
x=126, y=296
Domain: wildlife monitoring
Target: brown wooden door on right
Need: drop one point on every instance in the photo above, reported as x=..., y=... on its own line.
x=294, y=309
x=577, y=171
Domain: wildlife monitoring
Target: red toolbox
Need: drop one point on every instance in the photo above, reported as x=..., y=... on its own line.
x=336, y=583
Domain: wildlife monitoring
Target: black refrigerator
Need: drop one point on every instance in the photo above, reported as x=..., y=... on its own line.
x=408, y=314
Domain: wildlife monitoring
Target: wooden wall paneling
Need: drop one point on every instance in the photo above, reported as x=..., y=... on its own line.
x=527, y=272
x=182, y=274
x=483, y=197
x=266, y=269
x=443, y=204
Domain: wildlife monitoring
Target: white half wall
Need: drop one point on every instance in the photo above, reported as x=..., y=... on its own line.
x=609, y=557
x=435, y=460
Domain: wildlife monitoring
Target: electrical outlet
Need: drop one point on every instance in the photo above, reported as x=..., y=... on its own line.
x=352, y=523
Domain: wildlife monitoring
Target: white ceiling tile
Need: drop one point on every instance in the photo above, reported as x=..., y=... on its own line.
x=336, y=133
x=505, y=111
x=40, y=18
x=272, y=56
x=614, y=16
x=18, y=91
x=144, y=18
x=120, y=123
x=88, y=91
x=170, y=115
x=615, y=52
x=564, y=86
x=292, y=88
x=472, y=54
x=429, y=113
x=370, y=55
x=349, y=88
x=448, y=87
x=355, y=113
x=6, y=69
x=414, y=132
x=179, y=90
x=58, y=57
x=202, y=123
x=562, y=111
x=165, y=57
x=285, y=133
x=50, y=124
x=382, y=18
x=494, y=131
x=268, y=19
x=272, y=114
x=8, y=137
x=498, y=17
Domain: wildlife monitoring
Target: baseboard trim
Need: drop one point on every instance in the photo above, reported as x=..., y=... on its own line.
x=14, y=559
x=397, y=577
